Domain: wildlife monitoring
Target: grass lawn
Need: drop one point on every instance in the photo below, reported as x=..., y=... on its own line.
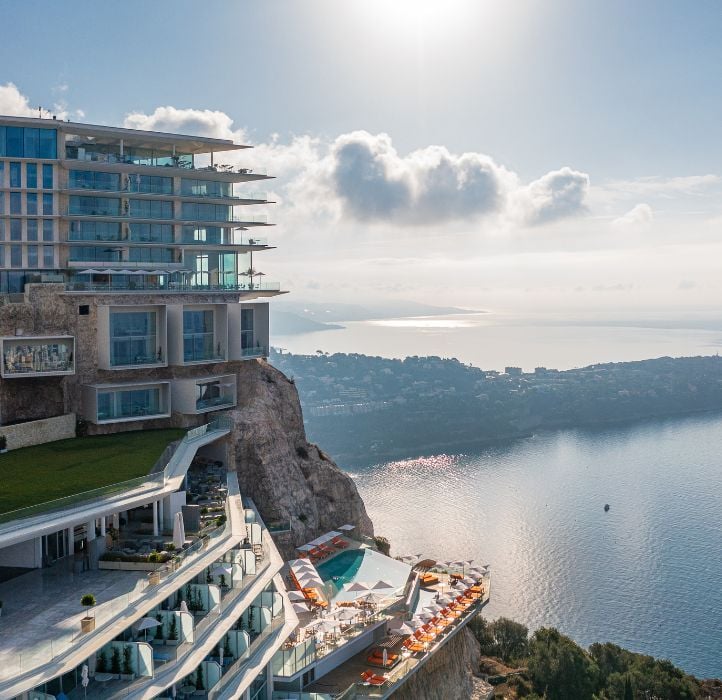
x=33, y=475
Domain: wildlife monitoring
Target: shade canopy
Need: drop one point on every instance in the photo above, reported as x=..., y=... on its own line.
x=179, y=531
x=300, y=607
x=372, y=598
x=357, y=586
x=380, y=585
x=347, y=527
x=305, y=547
x=148, y=623
x=295, y=596
x=402, y=628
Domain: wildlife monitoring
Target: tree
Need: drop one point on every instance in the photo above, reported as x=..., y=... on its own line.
x=510, y=638
x=560, y=669
x=628, y=692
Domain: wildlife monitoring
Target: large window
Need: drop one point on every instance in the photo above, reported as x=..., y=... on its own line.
x=212, y=394
x=48, y=230
x=206, y=188
x=16, y=256
x=48, y=256
x=151, y=255
x=198, y=340
x=47, y=204
x=47, y=176
x=16, y=203
x=93, y=180
x=95, y=231
x=199, y=211
x=31, y=203
x=16, y=229
x=32, y=256
x=151, y=233
x=129, y=403
x=16, y=175
x=31, y=175
x=133, y=338
x=95, y=254
x=214, y=267
x=31, y=229
x=246, y=329
x=150, y=184
x=208, y=234
x=94, y=206
x=19, y=142
x=151, y=209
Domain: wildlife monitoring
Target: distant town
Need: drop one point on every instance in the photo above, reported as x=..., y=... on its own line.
x=349, y=400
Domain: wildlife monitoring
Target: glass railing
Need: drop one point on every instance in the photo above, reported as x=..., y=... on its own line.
x=257, y=351
x=176, y=287
x=135, y=411
x=231, y=239
x=202, y=404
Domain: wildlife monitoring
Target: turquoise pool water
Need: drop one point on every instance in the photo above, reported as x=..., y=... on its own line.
x=362, y=565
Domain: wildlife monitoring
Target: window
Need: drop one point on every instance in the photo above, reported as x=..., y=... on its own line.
x=2, y=225
x=19, y=142
x=133, y=339
x=206, y=234
x=206, y=188
x=47, y=176
x=15, y=175
x=2, y=256
x=150, y=255
x=16, y=229
x=215, y=393
x=31, y=203
x=2, y=172
x=151, y=184
x=48, y=256
x=94, y=206
x=92, y=253
x=16, y=203
x=95, y=231
x=246, y=329
x=151, y=233
x=48, y=233
x=31, y=229
x=2, y=204
x=151, y=209
x=31, y=175
x=47, y=204
x=198, y=336
x=92, y=180
x=130, y=403
x=195, y=211
x=84, y=310
x=16, y=256
x=32, y=256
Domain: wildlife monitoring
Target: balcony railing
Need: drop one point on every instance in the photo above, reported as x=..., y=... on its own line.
x=172, y=287
x=216, y=402
x=258, y=351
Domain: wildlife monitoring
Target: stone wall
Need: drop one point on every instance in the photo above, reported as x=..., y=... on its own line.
x=38, y=432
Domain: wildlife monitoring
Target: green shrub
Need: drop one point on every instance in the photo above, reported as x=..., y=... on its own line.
x=88, y=600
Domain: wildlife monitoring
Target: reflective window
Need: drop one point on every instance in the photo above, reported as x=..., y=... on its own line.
x=93, y=180
x=32, y=256
x=31, y=228
x=15, y=175
x=31, y=175
x=14, y=142
x=200, y=211
x=215, y=393
x=47, y=204
x=130, y=403
x=16, y=229
x=151, y=233
x=133, y=339
x=151, y=184
x=206, y=188
x=48, y=230
x=16, y=203
x=95, y=253
x=16, y=256
x=95, y=231
x=19, y=142
x=246, y=328
x=159, y=255
x=198, y=336
x=48, y=256
x=94, y=206
x=2, y=256
x=151, y=208
x=47, y=176
x=31, y=202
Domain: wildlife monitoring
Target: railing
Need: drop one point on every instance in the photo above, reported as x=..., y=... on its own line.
x=258, y=351
x=172, y=287
x=275, y=528
x=152, y=481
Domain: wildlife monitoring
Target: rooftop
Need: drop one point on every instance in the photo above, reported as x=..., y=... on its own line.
x=43, y=473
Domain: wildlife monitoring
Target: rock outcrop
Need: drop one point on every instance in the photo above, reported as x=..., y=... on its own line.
x=288, y=478
x=448, y=675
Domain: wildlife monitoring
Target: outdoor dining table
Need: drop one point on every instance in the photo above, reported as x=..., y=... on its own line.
x=103, y=677
x=187, y=690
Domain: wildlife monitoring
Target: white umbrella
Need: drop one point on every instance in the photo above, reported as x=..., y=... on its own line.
x=296, y=596
x=179, y=531
x=346, y=614
x=300, y=607
x=444, y=600
x=85, y=679
x=468, y=581
x=147, y=623
x=304, y=548
x=373, y=598
x=380, y=585
x=220, y=654
x=402, y=629
x=385, y=656
x=183, y=607
x=357, y=586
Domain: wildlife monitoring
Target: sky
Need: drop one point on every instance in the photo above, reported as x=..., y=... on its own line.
x=530, y=156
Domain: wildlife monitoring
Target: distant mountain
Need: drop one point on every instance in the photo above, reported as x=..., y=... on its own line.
x=332, y=312
x=287, y=323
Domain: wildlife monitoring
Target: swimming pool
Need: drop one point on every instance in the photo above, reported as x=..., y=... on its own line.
x=362, y=565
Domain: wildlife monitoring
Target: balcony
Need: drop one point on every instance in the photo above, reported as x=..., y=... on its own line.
x=250, y=353
x=39, y=356
x=122, y=403
x=196, y=396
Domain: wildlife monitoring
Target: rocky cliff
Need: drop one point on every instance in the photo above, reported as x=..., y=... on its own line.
x=292, y=480
x=288, y=478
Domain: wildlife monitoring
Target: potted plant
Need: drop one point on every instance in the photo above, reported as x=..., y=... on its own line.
x=3, y=444
x=159, y=630
x=102, y=664
x=127, y=673
x=222, y=578
x=87, y=624
x=115, y=662
x=227, y=653
x=173, y=632
x=200, y=680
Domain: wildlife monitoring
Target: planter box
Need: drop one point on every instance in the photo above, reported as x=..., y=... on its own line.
x=172, y=642
x=129, y=565
x=154, y=578
x=127, y=676
x=87, y=624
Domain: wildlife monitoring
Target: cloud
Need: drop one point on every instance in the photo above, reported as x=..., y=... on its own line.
x=197, y=122
x=639, y=216
x=14, y=103
x=556, y=195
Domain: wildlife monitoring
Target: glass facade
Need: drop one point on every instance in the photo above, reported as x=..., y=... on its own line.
x=213, y=394
x=47, y=204
x=198, y=336
x=47, y=176
x=22, y=142
x=206, y=188
x=151, y=209
x=48, y=230
x=247, y=329
x=129, y=403
x=16, y=203
x=151, y=184
x=31, y=229
x=213, y=267
x=151, y=233
x=94, y=206
x=151, y=255
x=199, y=211
x=31, y=175
x=16, y=175
x=93, y=180
x=95, y=231
x=28, y=355
x=95, y=254
x=31, y=203
x=133, y=338
x=209, y=234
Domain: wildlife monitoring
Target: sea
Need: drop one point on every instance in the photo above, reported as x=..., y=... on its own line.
x=646, y=574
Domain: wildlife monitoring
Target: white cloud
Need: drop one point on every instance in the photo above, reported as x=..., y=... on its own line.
x=198, y=122
x=638, y=217
x=556, y=195
x=14, y=103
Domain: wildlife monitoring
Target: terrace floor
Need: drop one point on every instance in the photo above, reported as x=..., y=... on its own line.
x=42, y=611
x=34, y=475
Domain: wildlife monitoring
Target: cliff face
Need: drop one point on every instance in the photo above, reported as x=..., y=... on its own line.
x=288, y=478
x=448, y=675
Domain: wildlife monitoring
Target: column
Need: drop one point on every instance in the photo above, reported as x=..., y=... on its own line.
x=90, y=530
x=70, y=533
x=116, y=520
x=155, y=518
x=102, y=526
x=161, y=513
